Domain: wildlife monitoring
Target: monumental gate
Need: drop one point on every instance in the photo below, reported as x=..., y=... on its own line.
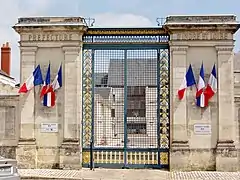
x=118, y=105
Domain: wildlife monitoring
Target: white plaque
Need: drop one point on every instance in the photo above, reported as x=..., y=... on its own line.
x=49, y=127
x=202, y=129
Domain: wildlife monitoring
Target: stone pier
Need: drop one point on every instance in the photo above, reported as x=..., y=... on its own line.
x=56, y=41
x=208, y=40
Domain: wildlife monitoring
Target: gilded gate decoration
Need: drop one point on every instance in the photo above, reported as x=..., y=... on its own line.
x=126, y=98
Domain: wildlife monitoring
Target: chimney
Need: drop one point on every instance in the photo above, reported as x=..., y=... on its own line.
x=5, y=58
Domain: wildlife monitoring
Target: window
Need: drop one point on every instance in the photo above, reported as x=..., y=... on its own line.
x=114, y=98
x=104, y=81
x=136, y=102
x=136, y=128
x=112, y=113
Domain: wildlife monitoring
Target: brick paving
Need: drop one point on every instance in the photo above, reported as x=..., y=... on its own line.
x=113, y=174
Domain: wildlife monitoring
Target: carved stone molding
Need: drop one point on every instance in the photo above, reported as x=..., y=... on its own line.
x=180, y=144
x=28, y=63
x=31, y=50
x=225, y=144
x=201, y=35
x=224, y=48
x=27, y=141
x=71, y=49
x=178, y=48
x=70, y=140
x=237, y=99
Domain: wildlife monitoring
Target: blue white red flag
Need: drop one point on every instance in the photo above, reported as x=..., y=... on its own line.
x=211, y=88
x=201, y=101
x=47, y=91
x=188, y=81
x=57, y=82
x=46, y=83
x=33, y=80
x=49, y=97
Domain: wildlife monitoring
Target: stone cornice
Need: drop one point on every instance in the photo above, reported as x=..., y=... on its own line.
x=225, y=23
x=201, y=18
x=40, y=24
x=232, y=28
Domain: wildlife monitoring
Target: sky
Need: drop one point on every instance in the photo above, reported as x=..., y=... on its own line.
x=111, y=13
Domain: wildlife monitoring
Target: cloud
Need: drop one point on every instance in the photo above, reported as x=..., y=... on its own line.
x=10, y=11
x=121, y=20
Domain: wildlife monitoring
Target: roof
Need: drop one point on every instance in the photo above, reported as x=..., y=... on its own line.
x=6, y=79
x=140, y=72
x=5, y=74
x=104, y=92
x=100, y=79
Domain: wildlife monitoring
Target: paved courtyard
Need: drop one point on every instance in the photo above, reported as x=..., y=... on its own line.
x=120, y=174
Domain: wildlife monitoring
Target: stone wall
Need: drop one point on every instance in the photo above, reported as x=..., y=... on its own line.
x=10, y=121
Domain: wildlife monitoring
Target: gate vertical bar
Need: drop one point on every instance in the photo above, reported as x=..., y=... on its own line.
x=92, y=133
x=158, y=104
x=93, y=84
x=87, y=105
x=125, y=109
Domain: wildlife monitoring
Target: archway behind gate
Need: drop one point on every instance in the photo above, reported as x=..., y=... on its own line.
x=126, y=82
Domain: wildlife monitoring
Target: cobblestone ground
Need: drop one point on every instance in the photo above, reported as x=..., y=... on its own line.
x=110, y=174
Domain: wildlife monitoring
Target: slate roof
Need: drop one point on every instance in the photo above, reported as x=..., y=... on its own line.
x=100, y=79
x=104, y=92
x=140, y=72
x=5, y=74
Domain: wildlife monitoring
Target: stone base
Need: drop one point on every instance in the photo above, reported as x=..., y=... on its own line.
x=179, y=155
x=8, y=151
x=26, y=154
x=70, y=154
x=226, y=156
x=48, y=157
x=182, y=158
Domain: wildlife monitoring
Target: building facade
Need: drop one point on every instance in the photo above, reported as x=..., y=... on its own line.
x=9, y=106
x=118, y=106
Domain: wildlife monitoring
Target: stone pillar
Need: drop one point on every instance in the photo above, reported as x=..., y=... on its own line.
x=70, y=149
x=179, y=143
x=226, y=152
x=26, y=150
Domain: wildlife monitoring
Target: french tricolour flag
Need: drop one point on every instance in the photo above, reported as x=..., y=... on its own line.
x=46, y=82
x=49, y=97
x=200, y=96
x=57, y=82
x=188, y=81
x=211, y=88
x=47, y=91
x=34, y=79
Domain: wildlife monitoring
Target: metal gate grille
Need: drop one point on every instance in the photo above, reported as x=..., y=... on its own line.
x=126, y=101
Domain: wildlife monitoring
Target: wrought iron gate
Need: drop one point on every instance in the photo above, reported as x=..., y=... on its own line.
x=126, y=98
